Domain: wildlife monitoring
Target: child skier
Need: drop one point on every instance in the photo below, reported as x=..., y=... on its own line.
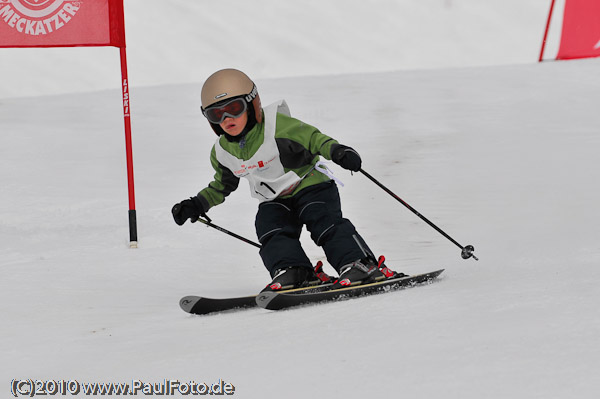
x=279, y=156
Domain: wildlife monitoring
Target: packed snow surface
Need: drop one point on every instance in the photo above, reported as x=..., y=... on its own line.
x=503, y=157
x=184, y=41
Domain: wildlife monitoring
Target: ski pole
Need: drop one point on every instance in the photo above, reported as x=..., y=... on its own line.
x=466, y=253
x=209, y=223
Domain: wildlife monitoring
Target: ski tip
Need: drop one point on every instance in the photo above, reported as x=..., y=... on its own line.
x=435, y=274
x=264, y=298
x=187, y=303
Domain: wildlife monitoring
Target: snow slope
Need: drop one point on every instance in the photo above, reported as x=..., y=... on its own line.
x=504, y=158
x=183, y=41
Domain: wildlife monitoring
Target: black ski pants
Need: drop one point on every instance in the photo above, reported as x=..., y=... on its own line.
x=279, y=224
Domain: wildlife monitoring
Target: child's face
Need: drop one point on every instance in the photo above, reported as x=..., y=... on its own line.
x=234, y=126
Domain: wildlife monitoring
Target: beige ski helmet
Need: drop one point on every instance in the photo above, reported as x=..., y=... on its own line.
x=230, y=83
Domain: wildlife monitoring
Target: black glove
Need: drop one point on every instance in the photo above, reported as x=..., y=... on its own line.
x=346, y=157
x=188, y=209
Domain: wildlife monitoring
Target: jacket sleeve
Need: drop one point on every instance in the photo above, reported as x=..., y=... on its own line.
x=224, y=183
x=299, y=143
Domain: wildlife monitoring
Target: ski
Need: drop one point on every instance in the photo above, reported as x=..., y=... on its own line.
x=274, y=300
x=202, y=305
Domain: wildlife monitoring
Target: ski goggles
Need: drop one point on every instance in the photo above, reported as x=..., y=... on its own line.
x=234, y=109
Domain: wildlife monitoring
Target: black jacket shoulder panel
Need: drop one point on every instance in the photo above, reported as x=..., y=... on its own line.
x=293, y=155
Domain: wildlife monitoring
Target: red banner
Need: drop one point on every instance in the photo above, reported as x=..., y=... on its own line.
x=581, y=30
x=61, y=23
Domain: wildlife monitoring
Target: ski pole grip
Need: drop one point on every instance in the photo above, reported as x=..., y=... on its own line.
x=204, y=220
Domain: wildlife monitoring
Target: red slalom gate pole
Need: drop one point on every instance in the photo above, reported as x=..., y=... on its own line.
x=546, y=31
x=128, y=150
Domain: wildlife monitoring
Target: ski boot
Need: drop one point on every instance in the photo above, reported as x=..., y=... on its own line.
x=298, y=277
x=321, y=275
x=364, y=271
x=389, y=273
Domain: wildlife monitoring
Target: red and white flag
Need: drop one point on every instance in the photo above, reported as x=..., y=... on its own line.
x=61, y=23
x=580, y=36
